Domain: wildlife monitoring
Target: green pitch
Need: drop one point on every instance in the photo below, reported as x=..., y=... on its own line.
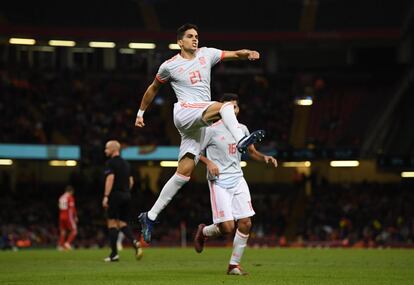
x=184, y=266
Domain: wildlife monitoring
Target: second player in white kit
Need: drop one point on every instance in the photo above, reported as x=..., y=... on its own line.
x=229, y=193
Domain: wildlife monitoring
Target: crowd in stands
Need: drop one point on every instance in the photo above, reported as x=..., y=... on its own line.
x=365, y=214
x=73, y=107
x=346, y=108
x=88, y=108
x=357, y=215
x=78, y=108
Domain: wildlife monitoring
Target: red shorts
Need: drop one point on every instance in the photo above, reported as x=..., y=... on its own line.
x=67, y=224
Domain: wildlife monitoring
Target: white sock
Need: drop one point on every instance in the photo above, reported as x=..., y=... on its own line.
x=211, y=231
x=230, y=121
x=239, y=243
x=167, y=193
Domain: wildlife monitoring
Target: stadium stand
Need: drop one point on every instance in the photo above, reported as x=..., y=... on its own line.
x=350, y=56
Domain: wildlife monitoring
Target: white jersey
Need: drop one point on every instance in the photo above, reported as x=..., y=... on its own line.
x=220, y=147
x=190, y=78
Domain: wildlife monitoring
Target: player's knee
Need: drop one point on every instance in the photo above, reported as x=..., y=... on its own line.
x=112, y=223
x=212, y=114
x=226, y=104
x=244, y=225
x=227, y=228
x=186, y=164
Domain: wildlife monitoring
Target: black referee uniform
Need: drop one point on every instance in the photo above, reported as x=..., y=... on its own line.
x=119, y=200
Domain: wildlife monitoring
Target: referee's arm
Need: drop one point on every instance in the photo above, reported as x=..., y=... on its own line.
x=131, y=182
x=109, y=182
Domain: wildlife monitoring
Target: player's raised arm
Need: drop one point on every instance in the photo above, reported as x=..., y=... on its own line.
x=146, y=101
x=242, y=54
x=257, y=155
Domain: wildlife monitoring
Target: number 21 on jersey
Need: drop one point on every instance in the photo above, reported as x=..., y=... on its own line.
x=195, y=77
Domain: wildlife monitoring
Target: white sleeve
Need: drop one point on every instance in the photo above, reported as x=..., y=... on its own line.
x=163, y=74
x=214, y=55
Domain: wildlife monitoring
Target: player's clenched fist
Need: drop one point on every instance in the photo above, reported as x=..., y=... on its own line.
x=139, y=122
x=253, y=55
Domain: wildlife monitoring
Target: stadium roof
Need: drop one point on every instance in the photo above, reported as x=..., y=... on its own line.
x=212, y=15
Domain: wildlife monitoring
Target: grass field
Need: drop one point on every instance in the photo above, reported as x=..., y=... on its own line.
x=184, y=266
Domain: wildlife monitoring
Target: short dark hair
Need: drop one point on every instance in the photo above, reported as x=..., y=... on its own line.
x=227, y=97
x=69, y=188
x=181, y=30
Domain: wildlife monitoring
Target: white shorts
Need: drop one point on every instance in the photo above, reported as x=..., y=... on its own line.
x=230, y=204
x=188, y=119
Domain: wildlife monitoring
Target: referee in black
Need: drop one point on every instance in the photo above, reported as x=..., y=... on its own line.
x=117, y=199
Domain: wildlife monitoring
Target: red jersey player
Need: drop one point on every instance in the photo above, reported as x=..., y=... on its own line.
x=68, y=219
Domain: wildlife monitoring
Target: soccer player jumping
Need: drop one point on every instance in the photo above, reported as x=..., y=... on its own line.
x=189, y=73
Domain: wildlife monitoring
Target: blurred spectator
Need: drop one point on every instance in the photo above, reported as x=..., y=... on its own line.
x=363, y=215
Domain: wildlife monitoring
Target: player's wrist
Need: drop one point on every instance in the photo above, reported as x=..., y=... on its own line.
x=140, y=113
